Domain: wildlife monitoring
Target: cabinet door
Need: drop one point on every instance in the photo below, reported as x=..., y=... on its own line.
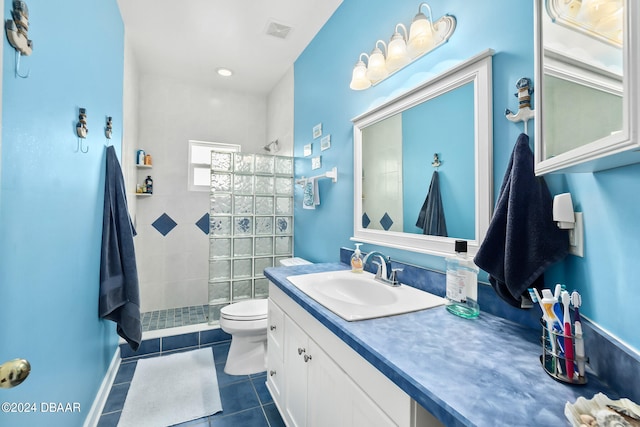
x=275, y=331
x=295, y=348
x=327, y=401
x=275, y=378
x=275, y=353
x=364, y=411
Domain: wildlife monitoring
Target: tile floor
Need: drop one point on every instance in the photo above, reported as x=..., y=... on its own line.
x=246, y=401
x=172, y=317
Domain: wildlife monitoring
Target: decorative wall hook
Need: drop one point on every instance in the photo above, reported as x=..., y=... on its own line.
x=16, y=30
x=81, y=127
x=108, y=130
x=436, y=161
x=525, y=113
x=82, y=130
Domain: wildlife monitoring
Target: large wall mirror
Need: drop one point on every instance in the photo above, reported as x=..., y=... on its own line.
x=434, y=141
x=586, y=85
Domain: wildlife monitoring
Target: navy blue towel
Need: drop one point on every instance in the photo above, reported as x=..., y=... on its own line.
x=119, y=293
x=431, y=217
x=522, y=240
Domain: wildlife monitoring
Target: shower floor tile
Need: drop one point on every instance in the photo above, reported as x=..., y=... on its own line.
x=173, y=317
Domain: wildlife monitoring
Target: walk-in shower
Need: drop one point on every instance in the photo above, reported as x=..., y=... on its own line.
x=251, y=224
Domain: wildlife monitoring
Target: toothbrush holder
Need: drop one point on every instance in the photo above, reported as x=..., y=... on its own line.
x=554, y=359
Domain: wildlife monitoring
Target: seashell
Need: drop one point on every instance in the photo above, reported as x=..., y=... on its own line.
x=608, y=418
x=587, y=419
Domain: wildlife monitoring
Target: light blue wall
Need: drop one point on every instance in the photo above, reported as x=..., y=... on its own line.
x=443, y=125
x=51, y=204
x=606, y=276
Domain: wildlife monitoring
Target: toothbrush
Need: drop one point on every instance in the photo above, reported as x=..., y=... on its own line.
x=568, y=345
x=536, y=298
x=556, y=291
x=553, y=324
x=547, y=304
x=576, y=301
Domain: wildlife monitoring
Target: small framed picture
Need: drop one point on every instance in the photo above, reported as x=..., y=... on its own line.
x=325, y=143
x=316, y=162
x=317, y=130
x=308, y=150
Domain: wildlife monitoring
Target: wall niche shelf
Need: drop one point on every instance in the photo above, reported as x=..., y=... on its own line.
x=144, y=166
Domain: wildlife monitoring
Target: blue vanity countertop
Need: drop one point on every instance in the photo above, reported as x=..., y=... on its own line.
x=481, y=372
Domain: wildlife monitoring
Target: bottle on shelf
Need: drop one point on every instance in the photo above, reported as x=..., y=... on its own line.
x=148, y=185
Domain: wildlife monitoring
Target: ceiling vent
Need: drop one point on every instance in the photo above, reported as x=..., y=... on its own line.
x=280, y=31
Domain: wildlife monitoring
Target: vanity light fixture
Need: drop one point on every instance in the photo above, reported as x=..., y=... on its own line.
x=423, y=36
x=377, y=69
x=224, y=72
x=359, y=80
x=601, y=19
x=397, y=55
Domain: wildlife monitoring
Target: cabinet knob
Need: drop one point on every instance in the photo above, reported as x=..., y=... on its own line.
x=272, y=327
x=307, y=358
x=272, y=373
x=301, y=350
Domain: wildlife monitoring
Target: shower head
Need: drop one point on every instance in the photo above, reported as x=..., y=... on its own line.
x=272, y=147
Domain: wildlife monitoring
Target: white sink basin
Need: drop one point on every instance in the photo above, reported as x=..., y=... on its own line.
x=357, y=296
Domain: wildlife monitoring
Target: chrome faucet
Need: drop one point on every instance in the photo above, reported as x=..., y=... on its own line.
x=385, y=273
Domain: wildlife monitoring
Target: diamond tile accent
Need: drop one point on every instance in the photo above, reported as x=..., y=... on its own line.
x=386, y=222
x=365, y=220
x=164, y=224
x=203, y=223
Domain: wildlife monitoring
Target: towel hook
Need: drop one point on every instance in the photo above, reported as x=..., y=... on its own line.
x=525, y=113
x=23, y=76
x=80, y=145
x=436, y=161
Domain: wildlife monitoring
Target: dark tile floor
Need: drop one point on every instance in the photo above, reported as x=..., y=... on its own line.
x=246, y=402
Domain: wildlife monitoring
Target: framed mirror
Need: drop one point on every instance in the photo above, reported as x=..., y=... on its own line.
x=432, y=142
x=586, y=85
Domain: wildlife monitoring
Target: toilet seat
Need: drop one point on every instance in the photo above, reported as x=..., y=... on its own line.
x=250, y=310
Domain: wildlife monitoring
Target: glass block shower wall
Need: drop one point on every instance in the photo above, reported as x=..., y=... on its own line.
x=251, y=224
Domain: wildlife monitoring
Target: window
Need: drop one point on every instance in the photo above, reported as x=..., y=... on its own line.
x=200, y=162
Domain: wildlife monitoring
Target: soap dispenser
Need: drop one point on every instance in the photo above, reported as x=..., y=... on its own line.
x=356, y=260
x=462, y=283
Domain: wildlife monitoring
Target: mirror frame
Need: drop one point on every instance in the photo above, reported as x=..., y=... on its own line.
x=608, y=152
x=477, y=69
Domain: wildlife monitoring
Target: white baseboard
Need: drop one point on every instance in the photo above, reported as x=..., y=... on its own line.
x=93, y=417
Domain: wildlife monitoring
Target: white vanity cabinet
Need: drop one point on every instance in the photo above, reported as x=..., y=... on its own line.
x=316, y=379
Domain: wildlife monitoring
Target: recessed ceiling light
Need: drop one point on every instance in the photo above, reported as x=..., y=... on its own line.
x=224, y=72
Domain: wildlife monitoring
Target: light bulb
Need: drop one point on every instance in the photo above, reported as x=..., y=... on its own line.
x=397, y=56
x=377, y=67
x=420, y=36
x=359, y=80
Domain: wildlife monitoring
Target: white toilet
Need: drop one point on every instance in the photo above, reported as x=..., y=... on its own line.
x=246, y=322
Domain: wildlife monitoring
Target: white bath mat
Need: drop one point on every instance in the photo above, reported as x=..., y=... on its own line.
x=173, y=389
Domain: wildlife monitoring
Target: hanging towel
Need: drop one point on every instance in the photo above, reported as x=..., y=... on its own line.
x=431, y=217
x=310, y=196
x=119, y=293
x=522, y=240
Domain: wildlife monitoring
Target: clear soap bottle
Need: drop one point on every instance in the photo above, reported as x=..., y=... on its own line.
x=462, y=283
x=356, y=260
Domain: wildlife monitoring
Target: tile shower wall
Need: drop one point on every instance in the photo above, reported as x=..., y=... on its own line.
x=251, y=224
x=173, y=255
